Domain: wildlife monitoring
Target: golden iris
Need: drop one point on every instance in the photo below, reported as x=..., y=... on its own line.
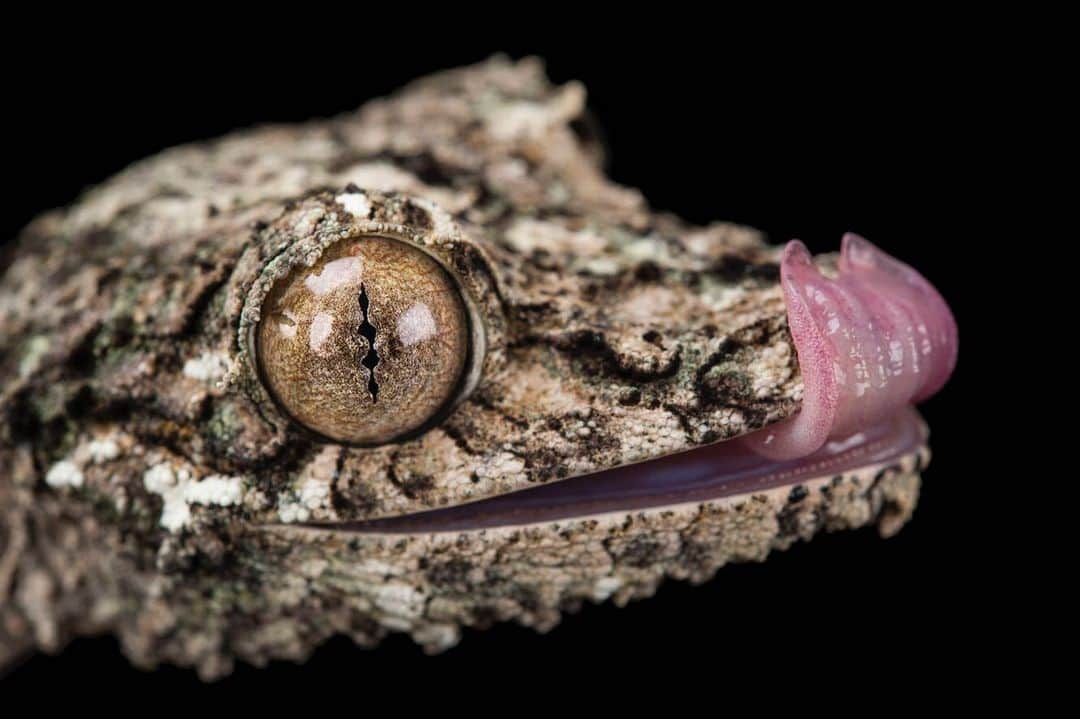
x=368, y=344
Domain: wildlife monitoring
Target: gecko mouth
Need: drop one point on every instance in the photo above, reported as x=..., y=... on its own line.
x=707, y=473
x=870, y=341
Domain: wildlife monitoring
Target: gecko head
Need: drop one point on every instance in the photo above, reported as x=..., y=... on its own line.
x=281, y=359
x=365, y=356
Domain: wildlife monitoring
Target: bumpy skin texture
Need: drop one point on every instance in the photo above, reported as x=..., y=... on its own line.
x=153, y=489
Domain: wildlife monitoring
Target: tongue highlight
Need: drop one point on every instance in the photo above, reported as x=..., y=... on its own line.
x=869, y=342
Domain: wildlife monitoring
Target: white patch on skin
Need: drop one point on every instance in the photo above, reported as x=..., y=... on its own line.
x=310, y=494
x=415, y=325
x=208, y=367
x=522, y=119
x=399, y=600
x=527, y=235
x=64, y=474
x=518, y=120
x=31, y=359
x=376, y=568
x=103, y=450
x=160, y=479
x=306, y=223
x=605, y=587
x=648, y=249
x=321, y=327
x=215, y=489
x=290, y=510
x=355, y=204
x=601, y=266
x=503, y=465
x=771, y=367
x=335, y=273
x=314, y=494
x=437, y=636
x=387, y=177
x=178, y=491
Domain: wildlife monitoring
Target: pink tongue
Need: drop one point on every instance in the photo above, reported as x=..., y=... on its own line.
x=876, y=338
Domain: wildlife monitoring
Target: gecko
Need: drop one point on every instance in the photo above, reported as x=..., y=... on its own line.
x=423, y=367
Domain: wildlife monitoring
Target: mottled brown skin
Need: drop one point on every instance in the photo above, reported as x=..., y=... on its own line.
x=156, y=490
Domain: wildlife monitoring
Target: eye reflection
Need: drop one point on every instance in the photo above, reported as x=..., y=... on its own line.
x=367, y=344
x=416, y=324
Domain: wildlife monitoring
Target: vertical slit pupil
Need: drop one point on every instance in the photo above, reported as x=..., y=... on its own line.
x=371, y=357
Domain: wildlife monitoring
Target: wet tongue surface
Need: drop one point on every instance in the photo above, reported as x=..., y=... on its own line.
x=871, y=341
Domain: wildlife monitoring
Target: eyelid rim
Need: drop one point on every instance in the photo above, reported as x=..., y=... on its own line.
x=324, y=222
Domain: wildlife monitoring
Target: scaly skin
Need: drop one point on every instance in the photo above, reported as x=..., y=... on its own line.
x=155, y=490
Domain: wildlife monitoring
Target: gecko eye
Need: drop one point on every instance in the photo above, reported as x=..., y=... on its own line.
x=367, y=345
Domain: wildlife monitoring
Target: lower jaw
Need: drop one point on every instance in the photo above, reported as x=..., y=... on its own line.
x=708, y=473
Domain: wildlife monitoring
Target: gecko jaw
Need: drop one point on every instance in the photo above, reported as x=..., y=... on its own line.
x=712, y=472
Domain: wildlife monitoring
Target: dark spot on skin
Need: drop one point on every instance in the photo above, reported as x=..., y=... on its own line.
x=630, y=397
x=411, y=486
x=416, y=216
x=797, y=494
x=593, y=349
x=883, y=473
x=647, y=271
x=483, y=617
x=459, y=434
x=351, y=188
x=198, y=307
x=543, y=260
x=212, y=211
x=788, y=521
x=83, y=359
x=733, y=268
x=338, y=500
x=544, y=464
x=81, y=403
x=653, y=337
x=452, y=574
x=118, y=332
x=642, y=551
x=526, y=597
x=890, y=509
x=425, y=167
x=698, y=555
x=484, y=400
x=725, y=388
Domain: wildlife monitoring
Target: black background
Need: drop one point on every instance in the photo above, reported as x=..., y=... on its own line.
x=801, y=135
